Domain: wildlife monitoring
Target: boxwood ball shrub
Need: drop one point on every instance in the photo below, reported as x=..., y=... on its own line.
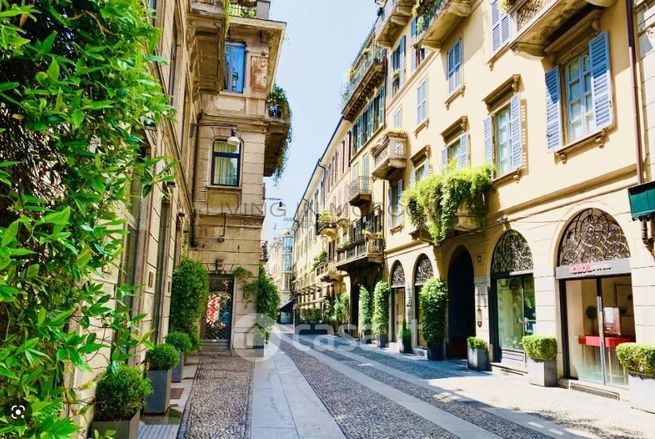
x=189, y=293
x=381, y=308
x=637, y=357
x=476, y=343
x=162, y=357
x=434, y=304
x=180, y=341
x=121, y=394
x=539, y=347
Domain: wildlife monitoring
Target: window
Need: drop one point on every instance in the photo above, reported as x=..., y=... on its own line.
x=369, y=121
x=226, y=164
x=500, y=27
x=418, y=53
x=502, y=137
x=398, y=118
x=398, y=67
x=420, y=172
x=235, y=62
x=586, y=103
x=457, y=151
x=172, y=65
x=395, y=211
x=455, y=67
x=422, y=101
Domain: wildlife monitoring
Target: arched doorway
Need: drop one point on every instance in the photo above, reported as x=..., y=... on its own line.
x=512, y=307
x=421, y=275
x=461, y=303
x=595, y=296
x=397, y=299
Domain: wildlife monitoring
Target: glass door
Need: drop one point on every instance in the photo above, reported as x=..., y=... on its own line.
x=516, y=313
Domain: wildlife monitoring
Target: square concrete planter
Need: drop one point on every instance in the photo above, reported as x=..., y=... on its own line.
x=405, y=346
x=124, y=429
x=542, y=373
x=178, y=371
x=642, y=392
x=436, y=352
x=160, y=399
x=382, y=340
x=478, y=359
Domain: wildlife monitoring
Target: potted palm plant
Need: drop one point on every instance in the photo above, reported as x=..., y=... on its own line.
x=120, y=396
x=381, y=312
x=405, y=339
x=434, y=303
x=639, y=360
x=477, y=354
x=182, y=343
x=161, y=360
x=541, y=351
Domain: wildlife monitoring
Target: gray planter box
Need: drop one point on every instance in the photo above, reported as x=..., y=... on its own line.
x=542, y=373
x=642, y=390
x=382, y=340
x=160, y=399
x=124, y=429
x=478, y=359
x=178, y=371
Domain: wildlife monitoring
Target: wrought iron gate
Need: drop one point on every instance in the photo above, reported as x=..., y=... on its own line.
x=218, y=316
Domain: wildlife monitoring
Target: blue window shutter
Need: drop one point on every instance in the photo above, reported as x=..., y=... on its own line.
x=402, y=60
x=463, y=157
x=601, y=86
x=553, y=110
x=515, y=131
x=488, y=140
x=444, y=158
x=495, y=26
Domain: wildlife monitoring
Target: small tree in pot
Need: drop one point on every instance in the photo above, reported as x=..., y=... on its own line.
x=541, y=351
x=120, y=396
x=434, y=304
x=182, y=343
x=405, y=339
x=477, y=354
x=381, y=312
x=365, y=315
x=639, y=360
x=161, y=360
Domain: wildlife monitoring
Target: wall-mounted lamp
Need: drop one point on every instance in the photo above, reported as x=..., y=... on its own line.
x=478, y=317
x=233, y=139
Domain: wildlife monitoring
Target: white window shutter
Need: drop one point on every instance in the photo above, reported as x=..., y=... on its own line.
x=488, y=140
x=412, y=178
x=553, y=110
x=495, y=26
x=463, y=157
x=515, y=131
x=402, y=61
x=444, y=158
x=601, y=82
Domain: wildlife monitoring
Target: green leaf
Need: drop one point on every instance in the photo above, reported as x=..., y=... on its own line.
x=4, y=86
x=58, y=218
x=76, y=118
x=9, y=235
x=53, y=71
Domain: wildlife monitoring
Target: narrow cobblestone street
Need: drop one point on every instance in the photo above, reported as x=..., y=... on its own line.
x=328, y=387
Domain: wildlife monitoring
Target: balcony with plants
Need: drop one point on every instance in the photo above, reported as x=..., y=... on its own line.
x=279, y=134
x=326, y=225
x=390, y=155
x=364, y=243
x=453, y=201
x=538, y=21
x=366, y=74
x=393, y=16
x=360, y=191
x=438, y=18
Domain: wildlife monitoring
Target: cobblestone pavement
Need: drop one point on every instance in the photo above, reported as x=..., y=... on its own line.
x=359, y=411
x=218, y=403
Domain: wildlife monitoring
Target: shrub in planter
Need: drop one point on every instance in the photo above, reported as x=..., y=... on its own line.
x=189, y=293
x=182, y=342
x=477, y=354
x=434, y=304
x=639, y=360
x=405, y=339
x=381, y=312
x=365, y=314
x=541, y=351
x=120, y=396
x=161, y=359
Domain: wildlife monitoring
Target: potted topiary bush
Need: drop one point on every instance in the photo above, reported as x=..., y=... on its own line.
x=120, y=396
x=405, y=339
x=639, y=360
x=182, y=343
x=381, y=313
x=477, y=354
x=434, y=304
x=365, y=315
x=541, y=351
x=161, y=360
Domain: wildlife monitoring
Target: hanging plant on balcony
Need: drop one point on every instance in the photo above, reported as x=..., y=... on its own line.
x=435, y=203
x=325, y=218
x=277, y=105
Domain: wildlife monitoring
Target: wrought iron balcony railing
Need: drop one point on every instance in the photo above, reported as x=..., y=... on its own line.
x=374, y=56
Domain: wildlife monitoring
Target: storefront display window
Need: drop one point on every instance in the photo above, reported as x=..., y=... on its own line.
x=516, y=310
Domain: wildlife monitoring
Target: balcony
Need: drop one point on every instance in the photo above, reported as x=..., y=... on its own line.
x=327, y=272
x=326, y=225
x=359, y=191
x=390, y=155
x=367, y=73
x=438, y=19
x=392, y=19
x=360, y=254
x=278, y=117
x=537, y=21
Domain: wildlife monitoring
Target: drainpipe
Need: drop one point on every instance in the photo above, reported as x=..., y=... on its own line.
x=194, y=211
x=636, y=110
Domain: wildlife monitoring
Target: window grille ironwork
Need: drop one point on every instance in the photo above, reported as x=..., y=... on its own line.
x=511, y=254
x=423, y=270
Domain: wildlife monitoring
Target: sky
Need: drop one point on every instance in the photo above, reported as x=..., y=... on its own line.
x=322, y=39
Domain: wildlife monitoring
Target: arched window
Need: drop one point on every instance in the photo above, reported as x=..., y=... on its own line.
x=423, y=270
x=397, y=276
x=512, y=254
